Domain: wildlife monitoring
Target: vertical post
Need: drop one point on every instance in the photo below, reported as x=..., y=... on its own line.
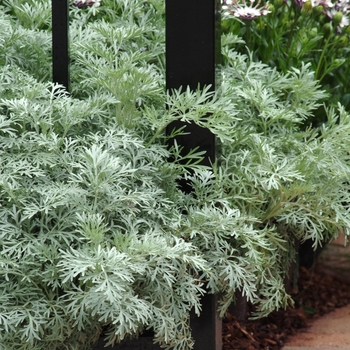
x=192, y=60
x=60, y=44
x=192, y=43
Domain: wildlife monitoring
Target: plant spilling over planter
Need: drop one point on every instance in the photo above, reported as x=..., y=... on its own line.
x=317, y=294
x=95, y=233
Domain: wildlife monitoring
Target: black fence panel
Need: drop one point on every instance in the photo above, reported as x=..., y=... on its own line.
x=60, y=42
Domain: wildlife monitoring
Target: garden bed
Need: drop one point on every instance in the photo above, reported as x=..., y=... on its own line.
x=319, y=292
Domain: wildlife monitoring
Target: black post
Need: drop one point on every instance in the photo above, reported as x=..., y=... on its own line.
x=192, y=43
x=60, y=45
x=192, y=60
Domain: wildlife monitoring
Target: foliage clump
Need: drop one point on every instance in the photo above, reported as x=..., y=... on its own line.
x=96, y=235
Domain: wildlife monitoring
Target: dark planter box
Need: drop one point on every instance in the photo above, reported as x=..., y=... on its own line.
x=142, y=343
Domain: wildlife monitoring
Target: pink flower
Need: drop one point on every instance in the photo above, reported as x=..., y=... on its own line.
x=85, y=3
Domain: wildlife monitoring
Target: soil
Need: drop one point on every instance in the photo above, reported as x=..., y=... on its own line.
x=321, y=290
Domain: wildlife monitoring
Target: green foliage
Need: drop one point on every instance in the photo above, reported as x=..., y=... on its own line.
x=299, y=32
x=95, y=235
x=84, y=227
x=25, y=47
x=283, y=174
x=30, y=14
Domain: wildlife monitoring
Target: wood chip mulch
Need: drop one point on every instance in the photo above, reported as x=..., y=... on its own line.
x=317, y=294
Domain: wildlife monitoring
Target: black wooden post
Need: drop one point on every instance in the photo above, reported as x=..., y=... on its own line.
x=192, y=60
x=60, y=44
x=192, y=43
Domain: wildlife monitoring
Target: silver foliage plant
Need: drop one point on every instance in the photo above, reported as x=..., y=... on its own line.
x=95, y=235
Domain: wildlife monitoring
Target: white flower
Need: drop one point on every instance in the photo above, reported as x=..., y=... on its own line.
x=324, y=3
x=243, y=11
x=345, y=21
x=342, y=6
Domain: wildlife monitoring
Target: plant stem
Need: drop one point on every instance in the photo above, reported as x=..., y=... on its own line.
x=249, y=33
x=159, y=130
x=320, y=62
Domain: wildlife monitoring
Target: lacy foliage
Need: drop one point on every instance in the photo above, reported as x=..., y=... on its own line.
x=95, y=234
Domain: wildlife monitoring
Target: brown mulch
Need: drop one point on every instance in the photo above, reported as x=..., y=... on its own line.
x=317, y=294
